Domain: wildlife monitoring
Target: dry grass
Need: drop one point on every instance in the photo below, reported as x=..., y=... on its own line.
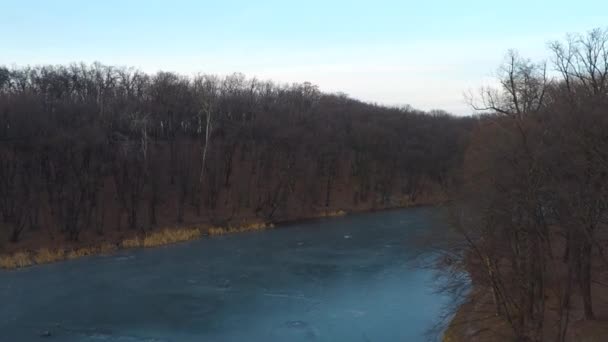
x=334, y=213
x=406, y=201
x=214, y=231
x=152, y=239
x=157, y=238
x=168, y=236
x=163, y=237
x=81, y=252
x=17, y=260
x=337, y=213
x=45, y=256
x=107, y=248
x=131, y=243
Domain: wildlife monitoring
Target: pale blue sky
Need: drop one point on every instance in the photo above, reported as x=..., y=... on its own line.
x=423, y=53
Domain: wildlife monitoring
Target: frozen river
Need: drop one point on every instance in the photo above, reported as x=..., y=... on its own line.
x=342, y=279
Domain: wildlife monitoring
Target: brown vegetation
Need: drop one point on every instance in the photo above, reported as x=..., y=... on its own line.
x=97, y=155
x=533, y=204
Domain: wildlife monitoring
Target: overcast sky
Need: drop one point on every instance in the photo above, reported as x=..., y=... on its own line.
x=422, y=53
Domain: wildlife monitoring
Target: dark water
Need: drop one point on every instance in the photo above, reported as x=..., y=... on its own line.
x=344, y=279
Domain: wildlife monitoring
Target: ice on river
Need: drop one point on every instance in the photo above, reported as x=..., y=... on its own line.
x=339, y=279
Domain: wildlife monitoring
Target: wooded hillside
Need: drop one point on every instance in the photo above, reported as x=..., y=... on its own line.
x=98, y=148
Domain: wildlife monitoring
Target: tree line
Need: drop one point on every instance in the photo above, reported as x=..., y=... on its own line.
x=532, y=208
x=96, y=148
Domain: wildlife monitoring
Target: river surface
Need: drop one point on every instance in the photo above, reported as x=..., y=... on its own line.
x=341, y=279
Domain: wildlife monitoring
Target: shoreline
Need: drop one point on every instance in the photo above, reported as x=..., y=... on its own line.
x=167, y=236
x=473, y=320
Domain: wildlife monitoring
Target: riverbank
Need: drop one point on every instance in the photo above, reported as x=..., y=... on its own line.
x=475, y=319
x=111, y=242
x=161, y=237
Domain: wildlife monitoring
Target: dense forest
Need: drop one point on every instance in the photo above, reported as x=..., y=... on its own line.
x=88, y=150
x=532, y=208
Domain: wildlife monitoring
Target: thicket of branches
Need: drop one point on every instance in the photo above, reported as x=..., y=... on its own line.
x=533, y=205
x=92, y=148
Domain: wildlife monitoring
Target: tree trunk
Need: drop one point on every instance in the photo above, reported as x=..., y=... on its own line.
x=585, y=280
